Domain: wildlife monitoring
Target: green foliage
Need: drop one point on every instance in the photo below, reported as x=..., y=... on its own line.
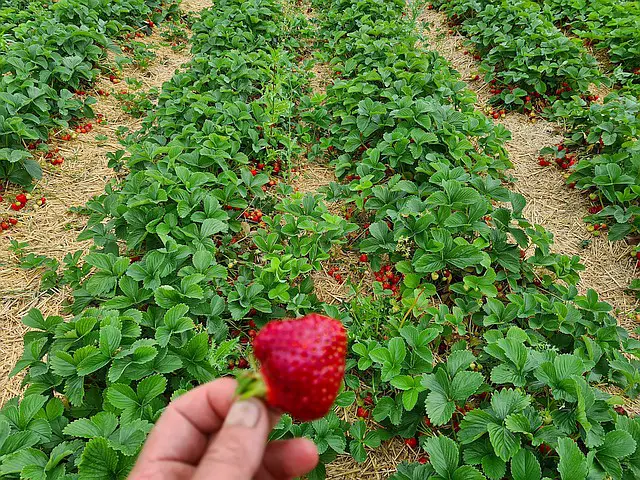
x=610, y=25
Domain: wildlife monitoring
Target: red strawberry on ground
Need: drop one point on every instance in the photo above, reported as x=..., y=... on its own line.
x=22, y=198
x=411, y=442
x=302, y=365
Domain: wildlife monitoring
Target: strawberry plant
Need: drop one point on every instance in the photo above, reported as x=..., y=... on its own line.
x=607, y=24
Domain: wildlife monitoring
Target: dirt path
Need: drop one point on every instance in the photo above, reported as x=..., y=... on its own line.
x=550, y=203
x=52, y=230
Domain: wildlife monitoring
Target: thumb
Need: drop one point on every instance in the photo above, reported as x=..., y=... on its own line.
x=236, y=451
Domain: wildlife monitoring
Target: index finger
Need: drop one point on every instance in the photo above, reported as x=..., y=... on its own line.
x=183, y=430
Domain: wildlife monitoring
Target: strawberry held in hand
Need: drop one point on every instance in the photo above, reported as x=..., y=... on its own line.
x=302, y=365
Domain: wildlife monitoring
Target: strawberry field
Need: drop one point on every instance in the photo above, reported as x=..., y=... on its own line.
x=475, y=349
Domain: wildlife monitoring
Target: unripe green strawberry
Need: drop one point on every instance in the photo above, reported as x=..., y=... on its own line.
x=302, y=365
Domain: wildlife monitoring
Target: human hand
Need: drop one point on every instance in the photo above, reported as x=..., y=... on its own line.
x=205, y=434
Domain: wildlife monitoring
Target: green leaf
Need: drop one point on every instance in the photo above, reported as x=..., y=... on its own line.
x=459, y=360
x=16, y=462
x=439, y=408
x=130, y=436
x=443, y=455
x=508, y=401
x=110, y=338
x=573, y=464
x=465, y=384
x=493, y=467
x=467, y=472
x=100, y=462
x=102, y=424
x=474, y=425
x=92, y=363
x=505, y=443
x=617, y=444
x=403, y=382
x=150, y=387
x=122, y=396
x=410, y=398
x=525, y=466
x=357, y=450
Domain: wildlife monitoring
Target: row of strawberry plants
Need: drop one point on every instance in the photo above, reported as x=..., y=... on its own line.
x=608, y=24
x=602, y=153
x=520, y=354
x=200, y=245
x=601, y=147
x=528, y=60
x=49, y=55
x=520, y=47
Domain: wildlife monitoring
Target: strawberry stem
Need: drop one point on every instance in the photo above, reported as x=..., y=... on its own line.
x=250, y=384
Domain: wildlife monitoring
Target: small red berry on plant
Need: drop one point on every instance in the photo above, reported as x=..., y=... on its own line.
x=362, y=412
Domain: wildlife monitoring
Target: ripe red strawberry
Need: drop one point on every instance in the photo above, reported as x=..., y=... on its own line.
x=364, y=258
x=362, y=412
x=22, y=198
x=302, y=365
x=411, y=442
x=545, y=449
x=13, y=221
x=16, y=206
x=4, y=226
x=422, y=460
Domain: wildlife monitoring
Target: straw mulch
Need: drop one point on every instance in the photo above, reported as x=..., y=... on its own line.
x=321, y=78
x=52, y=230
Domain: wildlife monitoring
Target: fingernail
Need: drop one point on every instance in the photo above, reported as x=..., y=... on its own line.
x=244, y=414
